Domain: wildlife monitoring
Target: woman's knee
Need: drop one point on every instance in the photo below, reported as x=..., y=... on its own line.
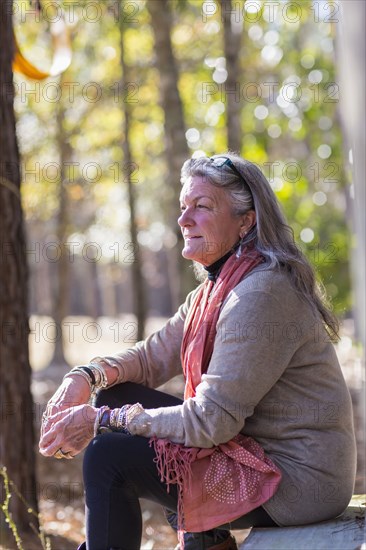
x=96, y=454
x=116, y=396
x=113, y=453
x=104, y=458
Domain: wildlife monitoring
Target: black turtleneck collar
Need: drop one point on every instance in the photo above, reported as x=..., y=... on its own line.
x=214, y=269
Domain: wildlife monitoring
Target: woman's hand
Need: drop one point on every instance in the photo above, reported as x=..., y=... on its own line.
x=71, y=431
x=73, y=391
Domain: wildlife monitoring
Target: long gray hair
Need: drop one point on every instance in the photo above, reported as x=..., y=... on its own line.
x=271, y=235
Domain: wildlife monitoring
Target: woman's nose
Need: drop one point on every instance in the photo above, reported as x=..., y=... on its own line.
x=185, y=218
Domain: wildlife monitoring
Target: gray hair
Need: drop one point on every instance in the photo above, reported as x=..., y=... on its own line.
x=271, y=235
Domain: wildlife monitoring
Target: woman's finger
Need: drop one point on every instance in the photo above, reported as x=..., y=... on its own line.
x=49, y=447
x=49, y=436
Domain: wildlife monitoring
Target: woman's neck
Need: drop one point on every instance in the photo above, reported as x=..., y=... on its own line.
x=214, y=269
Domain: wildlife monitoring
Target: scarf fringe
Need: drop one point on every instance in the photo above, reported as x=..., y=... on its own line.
x=173, y=462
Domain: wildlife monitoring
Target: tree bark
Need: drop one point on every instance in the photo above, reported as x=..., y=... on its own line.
x=176, y=148
x=61, y=292
x=232, y=42
x=350, y=48
x=136, y=266
x=16, y=405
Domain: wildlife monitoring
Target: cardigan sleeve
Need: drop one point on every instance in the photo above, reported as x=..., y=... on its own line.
x=155, y=360
x=252, y=349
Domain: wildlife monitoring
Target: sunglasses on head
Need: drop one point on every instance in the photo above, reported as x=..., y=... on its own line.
x=219, y=162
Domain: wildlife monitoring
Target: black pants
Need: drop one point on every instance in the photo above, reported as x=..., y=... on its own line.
x=119, y=469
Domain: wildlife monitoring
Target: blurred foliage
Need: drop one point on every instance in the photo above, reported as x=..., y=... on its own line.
x=289, y=100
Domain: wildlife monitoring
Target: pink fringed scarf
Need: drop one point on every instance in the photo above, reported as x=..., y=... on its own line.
x=220, y=484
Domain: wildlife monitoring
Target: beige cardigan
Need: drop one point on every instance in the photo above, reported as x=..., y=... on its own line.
x=274, y=376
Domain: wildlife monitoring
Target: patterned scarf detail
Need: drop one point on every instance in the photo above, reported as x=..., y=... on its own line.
x=220, y=484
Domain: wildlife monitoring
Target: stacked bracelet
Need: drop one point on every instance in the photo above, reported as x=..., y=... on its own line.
x=94, y=374
x=98, y=370
x=90, y=373
x=132, y=411
x=116, y=420
x=107, y=421
x=80, y=372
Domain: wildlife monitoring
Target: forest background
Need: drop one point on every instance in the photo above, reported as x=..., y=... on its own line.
x=150, y=84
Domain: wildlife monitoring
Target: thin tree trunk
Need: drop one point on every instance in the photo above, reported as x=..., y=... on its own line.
x=16, y=417
x=136, y=266
x=350, y=48
x=176, y=148
x=232, y=42
x=62, y=265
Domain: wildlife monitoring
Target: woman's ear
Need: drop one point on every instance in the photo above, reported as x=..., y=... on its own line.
x=249, y=220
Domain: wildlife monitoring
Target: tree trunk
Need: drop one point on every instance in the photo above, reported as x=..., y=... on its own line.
x=232, y=40
x=176, y=148
x=17, y=409
x=136, y=266
x=350, y=48
x=62, y=265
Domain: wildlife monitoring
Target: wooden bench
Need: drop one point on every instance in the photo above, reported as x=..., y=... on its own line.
x=344, y=533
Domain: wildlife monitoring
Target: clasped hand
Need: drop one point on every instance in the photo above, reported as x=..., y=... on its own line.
x=68, y=422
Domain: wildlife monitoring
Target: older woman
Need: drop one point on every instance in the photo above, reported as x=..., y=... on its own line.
x=264, y=436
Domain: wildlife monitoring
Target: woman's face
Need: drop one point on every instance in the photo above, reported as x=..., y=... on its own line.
x=208, y=224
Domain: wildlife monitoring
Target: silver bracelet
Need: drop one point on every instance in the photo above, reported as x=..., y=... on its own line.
x=114, y=418
x=101, y=380
x=121, y=422
x=114, y=364
x=82, y=373
x=131, y=412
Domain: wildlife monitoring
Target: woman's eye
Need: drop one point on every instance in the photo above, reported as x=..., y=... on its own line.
x=201, y=206
x=182, y=208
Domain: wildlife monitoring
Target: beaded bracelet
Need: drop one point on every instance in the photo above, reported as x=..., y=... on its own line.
x=106, y=422
x=132, y=411
x=116, y=420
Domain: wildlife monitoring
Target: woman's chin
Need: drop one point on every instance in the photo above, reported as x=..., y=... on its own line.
x=188, y=253
x=192, y=255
